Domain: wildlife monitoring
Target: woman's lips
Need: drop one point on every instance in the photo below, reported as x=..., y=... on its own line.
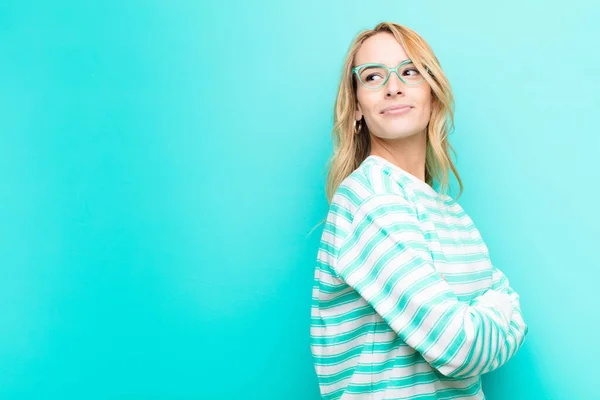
x=398, y=111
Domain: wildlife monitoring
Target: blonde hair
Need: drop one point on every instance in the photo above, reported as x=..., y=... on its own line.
x=350, y=149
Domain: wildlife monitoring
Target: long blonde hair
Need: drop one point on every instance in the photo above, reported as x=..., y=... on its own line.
x=350, y=149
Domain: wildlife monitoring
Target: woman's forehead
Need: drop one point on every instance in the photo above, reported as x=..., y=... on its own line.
x=381, y=48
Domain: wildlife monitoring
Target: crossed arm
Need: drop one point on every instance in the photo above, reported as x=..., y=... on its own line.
x=385, y=258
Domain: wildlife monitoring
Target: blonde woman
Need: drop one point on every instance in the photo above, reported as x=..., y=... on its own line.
x=406, y=301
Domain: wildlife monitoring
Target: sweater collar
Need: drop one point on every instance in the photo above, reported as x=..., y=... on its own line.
x=418, y=183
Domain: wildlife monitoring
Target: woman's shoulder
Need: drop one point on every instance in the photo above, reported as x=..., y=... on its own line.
x=367, y=181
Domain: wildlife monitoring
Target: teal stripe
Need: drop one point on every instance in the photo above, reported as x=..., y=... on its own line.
x=351, y=315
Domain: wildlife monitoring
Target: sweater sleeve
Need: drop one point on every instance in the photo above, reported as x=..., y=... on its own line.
x=518, y=328
x=386, y=259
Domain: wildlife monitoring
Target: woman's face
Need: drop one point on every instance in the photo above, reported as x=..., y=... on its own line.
x=384, y=49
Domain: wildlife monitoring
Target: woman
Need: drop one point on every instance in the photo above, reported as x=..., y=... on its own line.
x=406, y=302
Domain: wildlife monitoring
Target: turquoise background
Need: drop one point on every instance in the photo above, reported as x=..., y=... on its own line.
x=162, y=166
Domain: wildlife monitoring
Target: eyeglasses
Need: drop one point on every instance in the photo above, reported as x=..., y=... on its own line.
x=374, y=76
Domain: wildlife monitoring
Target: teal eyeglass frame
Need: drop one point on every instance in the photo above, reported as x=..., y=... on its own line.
x=356, y=70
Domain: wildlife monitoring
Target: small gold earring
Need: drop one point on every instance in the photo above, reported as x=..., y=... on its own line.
x=356, y=132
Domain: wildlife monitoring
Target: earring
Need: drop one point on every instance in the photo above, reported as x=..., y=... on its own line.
x=357, y=131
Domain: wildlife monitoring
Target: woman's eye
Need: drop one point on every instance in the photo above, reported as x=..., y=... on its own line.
x=414, y=71
x=371, y=76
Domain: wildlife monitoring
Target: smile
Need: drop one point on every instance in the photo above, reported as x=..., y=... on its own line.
x=398, y=111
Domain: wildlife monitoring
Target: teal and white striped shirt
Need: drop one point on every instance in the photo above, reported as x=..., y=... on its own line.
x=406, y=302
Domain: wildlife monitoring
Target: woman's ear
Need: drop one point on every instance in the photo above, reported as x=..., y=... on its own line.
x=358, y=112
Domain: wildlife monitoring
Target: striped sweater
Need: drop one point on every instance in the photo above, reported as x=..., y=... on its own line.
x=406, y=302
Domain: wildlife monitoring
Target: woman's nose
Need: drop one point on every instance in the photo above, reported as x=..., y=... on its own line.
x=394, y=85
